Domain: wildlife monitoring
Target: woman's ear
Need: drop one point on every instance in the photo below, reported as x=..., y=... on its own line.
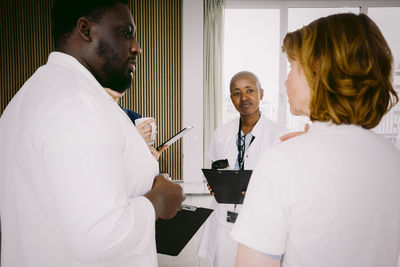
x=261, y=93
x=84, y=29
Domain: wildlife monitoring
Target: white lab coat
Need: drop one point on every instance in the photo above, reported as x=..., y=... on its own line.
x=73, y=172
x=328, y=198
x=216, y=243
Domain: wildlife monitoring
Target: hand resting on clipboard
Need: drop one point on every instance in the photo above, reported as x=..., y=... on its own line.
x=176, y=137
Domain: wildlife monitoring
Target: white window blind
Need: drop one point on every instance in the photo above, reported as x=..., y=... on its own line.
x=251, y=42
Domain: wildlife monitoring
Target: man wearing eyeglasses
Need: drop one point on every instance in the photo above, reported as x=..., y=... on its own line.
x=241, y=142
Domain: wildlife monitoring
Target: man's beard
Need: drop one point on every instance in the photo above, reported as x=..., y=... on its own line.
x=114, y=77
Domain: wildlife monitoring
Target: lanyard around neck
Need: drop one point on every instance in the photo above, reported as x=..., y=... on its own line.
x=241, y=145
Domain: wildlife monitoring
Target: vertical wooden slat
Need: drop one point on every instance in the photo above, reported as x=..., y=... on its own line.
x=25, y=43
x=156, y=90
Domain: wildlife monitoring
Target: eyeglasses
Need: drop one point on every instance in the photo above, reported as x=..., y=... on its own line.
x=241, y=142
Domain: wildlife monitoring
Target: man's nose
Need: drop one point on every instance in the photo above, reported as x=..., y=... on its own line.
x=135, y=48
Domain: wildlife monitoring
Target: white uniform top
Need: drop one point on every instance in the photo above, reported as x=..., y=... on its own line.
x=328, y=198
x=73, y=169
x=223, y=146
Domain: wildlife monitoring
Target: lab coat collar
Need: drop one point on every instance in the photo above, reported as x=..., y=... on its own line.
x=257, y=129
x=68, y=61
x=317, y=126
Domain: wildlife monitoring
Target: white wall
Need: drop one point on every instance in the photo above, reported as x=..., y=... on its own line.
x=192, y=94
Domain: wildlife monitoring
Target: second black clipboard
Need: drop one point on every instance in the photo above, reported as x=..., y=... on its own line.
x=173, y=235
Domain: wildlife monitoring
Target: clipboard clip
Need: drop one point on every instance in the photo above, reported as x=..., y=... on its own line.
x=189, y=207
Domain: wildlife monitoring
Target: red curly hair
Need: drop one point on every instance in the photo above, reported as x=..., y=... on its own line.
x=348, y=66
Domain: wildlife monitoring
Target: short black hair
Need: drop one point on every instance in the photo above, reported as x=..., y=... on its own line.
x=66, y=13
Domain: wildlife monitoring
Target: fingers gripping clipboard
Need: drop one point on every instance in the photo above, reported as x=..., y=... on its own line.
x=176, y=137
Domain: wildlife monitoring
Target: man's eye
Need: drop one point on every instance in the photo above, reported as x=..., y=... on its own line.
x=236, y=94
x=128, y=32
x=250, y=91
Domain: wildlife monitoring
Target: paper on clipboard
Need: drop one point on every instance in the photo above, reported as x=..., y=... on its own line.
x=176, y=137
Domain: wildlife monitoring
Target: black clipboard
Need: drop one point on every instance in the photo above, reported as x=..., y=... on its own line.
x=173, y=235
x=228, y=185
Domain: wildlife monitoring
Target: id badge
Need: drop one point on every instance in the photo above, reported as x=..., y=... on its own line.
x=231, y=216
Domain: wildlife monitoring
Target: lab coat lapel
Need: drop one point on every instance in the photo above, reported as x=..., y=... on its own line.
x=251, y=152
x=233, y=152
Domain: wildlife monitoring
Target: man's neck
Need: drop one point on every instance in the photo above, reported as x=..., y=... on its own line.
x=73, y=47
x=249, y=121
x=115, y=95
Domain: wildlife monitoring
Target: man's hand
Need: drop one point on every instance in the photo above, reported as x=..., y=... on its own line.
x=291, y=135
x=166, y=197
x=145, y=130
x=156, y=153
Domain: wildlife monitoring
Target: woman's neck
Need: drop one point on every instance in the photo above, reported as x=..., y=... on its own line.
x=249, y=121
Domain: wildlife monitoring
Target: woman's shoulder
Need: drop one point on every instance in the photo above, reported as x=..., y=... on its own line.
x=228, y=126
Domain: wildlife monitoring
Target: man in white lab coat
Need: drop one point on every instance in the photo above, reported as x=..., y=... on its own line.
x=241, y=141
x=78, y=184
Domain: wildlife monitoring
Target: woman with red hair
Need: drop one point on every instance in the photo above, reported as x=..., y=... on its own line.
x=330, y=197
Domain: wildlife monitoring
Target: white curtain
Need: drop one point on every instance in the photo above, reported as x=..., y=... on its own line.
x=212, y=85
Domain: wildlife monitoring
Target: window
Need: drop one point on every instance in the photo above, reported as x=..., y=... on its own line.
x=385, y=18
x=253, y=38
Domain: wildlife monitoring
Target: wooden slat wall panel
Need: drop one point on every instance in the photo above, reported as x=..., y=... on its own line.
x=157, y=87
x=25, y=43
x=25, y=34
